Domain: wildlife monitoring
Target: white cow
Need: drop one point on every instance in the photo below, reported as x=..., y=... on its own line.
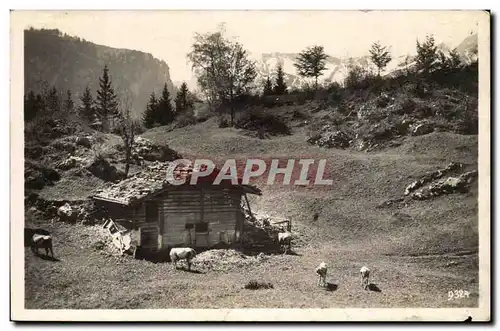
x=181, y=253
x=321, y=271
x=42, y=241
x=285, y=241
x=365, y=275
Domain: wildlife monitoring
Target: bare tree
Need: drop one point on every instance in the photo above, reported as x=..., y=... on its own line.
x=223, y=69
x=127, y=129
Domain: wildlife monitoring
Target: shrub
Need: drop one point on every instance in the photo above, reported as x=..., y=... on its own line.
x=223, y=122
x=299, y=114
x=257, y=285
x=263, y=122
x=185, y=120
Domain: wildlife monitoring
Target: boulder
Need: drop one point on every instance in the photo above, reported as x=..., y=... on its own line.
x=144, y=149
x=446, y=186
x=430, y=176
x=85, y=141
x=102, y=169
x=330, y=138
x=421, y=129
x=66, y=213
x=69, y=163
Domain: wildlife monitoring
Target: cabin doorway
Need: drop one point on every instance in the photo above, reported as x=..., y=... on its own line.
x=152, y=212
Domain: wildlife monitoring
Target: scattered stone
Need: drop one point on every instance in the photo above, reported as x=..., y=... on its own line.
x=431, y=176
x=421, y=129
x=446, y=186
x=85, y=141
x=66, y=213
x=330, y=138
x=70, y=162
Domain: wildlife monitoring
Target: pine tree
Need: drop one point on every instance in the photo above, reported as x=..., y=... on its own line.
x=380, y=56
x=280, y=87
x=311, y=63
x=182, y=100
x=53, y=101
x=87, y=108
x=268, y=87
x=426, y=55
x=151, y=113
x=32, y=105
x=165, y=110
x=107, y=105
x=69, y=105
x=455, y=60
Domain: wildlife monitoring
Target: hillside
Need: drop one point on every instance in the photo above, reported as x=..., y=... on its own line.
x=72, y=63
x=417, y=248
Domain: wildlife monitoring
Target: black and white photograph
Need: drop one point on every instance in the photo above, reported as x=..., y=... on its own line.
x=250, y=165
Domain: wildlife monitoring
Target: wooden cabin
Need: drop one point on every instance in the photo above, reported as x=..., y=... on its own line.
x=162, y=215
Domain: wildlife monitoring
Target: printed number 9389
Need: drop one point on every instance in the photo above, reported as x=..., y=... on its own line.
x=458, y=294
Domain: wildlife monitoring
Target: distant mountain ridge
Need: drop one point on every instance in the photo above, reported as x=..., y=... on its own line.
x=337, y=68
x=72, y=63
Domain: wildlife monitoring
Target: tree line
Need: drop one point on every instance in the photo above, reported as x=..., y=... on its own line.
x=102, y=112
x=225, y=73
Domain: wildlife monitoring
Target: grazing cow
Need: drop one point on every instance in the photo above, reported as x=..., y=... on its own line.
x=365, y=275
x=41, y=241
x=180, y=253
x=321, y=271
x=285, y=241
x=28, y=235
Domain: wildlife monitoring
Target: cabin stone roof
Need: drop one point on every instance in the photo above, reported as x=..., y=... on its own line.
x=153, y=180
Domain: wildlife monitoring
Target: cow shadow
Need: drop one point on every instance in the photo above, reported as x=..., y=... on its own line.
x=191, y=271
x=373, y=287
x=331, y=287
x=47, y=257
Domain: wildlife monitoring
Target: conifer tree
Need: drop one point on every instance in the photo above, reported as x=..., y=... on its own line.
x=268, y=87
x=32, y=105
x=53, y=101
x=182, y=100
x=69, y=105
x=107, y=105
x=426, y=55
x=165, y=111
x=149, y=118
x=280, y=86
x=87, y=109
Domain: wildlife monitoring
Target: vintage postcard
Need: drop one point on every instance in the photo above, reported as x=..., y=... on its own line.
x=250, y=165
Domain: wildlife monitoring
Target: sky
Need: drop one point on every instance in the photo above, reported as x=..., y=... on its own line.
x=168, y=35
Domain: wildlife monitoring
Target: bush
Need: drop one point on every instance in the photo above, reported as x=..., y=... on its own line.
x=263, y=122
x=223, y=122
x=185, y=120
x=257, y=285
x=299, y=114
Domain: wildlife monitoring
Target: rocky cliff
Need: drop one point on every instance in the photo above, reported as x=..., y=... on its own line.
x=73, y=63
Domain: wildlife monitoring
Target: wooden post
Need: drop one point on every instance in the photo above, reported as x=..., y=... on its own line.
x=248, y=205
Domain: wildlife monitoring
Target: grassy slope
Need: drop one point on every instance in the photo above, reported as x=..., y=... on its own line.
x=417, y=252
